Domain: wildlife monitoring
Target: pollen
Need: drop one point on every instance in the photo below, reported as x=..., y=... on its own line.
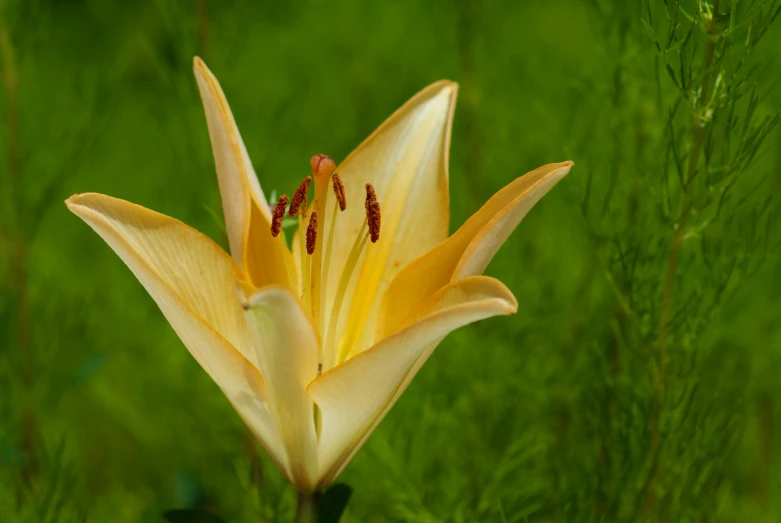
x=372, y=213
x=277, y=215
x=339, y=192
x=322, y=165
x=299, y=197
x=311, y=233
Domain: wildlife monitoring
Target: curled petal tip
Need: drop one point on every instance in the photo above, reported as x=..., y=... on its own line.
x=80, y=199
x=568, y=165
x=509, y=301
x=201, y=70
x=450, y=84
x=448, y=88
x=561, y=169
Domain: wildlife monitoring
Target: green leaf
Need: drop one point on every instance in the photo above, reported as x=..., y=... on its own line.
x=333, y=502
x=191, y=515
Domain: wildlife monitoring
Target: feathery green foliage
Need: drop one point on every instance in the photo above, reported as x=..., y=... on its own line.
x=639, y=379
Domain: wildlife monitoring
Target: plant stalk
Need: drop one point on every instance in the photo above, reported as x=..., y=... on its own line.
x=202, y=17
x=466, y=31
x=18, y=245
x=308, y=505
x=676, y=246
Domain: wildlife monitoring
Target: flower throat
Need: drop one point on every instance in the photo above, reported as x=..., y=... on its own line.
x=315, y=258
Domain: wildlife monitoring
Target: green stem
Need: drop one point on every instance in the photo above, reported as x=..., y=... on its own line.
x=308, y=503
x=18, y=245
x=673, y=260
x=680, y=234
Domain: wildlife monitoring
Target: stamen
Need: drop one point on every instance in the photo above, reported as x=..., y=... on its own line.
x=341, y=290
x=299, y=198
x=311, y=233
x=373, y=220
x=372, y=213
x=339, y=192
x=306, y=296
x=277, y=215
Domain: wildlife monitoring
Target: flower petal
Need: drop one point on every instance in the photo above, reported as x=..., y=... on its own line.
x=286, y=344
x=470, y=249
x=192, y=280
x=247, y=215
x=406, y=160
x=354, y=396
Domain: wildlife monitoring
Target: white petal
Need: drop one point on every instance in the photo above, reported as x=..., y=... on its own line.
x=287, y=344
x=247, y=214
x=354, y=396
x=192, y=280
x=470, y=249
x=406, y=160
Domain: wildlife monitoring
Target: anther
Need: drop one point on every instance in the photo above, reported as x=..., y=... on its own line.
x=311, y=233
x=299, y=197
x=339, y=192
x=322, y=165
x=277, y=215
x=372, y=213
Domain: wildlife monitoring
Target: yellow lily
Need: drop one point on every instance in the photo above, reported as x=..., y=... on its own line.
x=314, y=344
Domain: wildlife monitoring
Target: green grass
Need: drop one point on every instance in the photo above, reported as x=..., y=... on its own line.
x=547, y=415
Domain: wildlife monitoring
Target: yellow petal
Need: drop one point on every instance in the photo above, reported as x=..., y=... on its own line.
x=247, y=214
x=286, y=345
x=406, y=160
x=354, y=396
x=470, y=249
x=192, y=280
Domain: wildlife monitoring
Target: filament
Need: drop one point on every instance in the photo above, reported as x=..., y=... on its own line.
x=328, y=249
x=341, y=289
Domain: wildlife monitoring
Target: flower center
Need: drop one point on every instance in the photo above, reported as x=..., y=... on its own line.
x=315, y=257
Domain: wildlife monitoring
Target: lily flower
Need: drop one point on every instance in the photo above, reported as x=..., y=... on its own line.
x=313, y=344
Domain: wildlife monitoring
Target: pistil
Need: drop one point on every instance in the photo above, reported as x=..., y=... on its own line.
x=322, y=167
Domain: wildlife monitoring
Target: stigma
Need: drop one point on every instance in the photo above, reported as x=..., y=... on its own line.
x=322, y=165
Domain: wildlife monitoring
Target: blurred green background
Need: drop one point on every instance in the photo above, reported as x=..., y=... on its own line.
x=552, y=414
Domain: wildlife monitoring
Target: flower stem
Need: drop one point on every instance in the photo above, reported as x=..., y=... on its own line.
x=17, y=237
x=308, y=503
x=673, y=260
x=676, y=246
